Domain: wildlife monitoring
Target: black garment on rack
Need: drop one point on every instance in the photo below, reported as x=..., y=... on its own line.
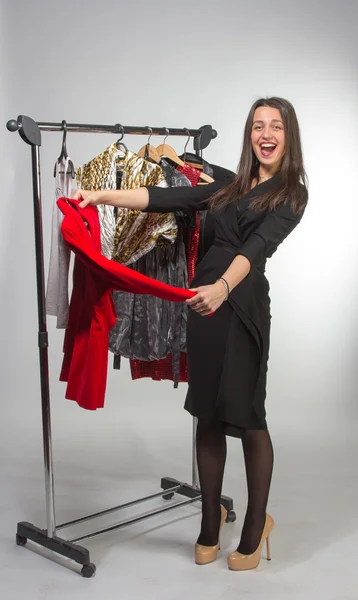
x=228, y=352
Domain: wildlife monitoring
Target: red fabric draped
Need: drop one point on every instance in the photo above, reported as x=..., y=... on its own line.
x=92, y=312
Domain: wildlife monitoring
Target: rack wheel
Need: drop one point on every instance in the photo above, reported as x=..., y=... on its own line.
x=231, y=516
x=168, y=496
x=20, y=540
x=88, y=570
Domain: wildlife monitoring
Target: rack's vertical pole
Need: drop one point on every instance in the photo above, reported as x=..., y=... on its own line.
x=43, y=343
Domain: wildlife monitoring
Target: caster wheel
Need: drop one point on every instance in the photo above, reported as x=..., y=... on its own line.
x=231, y=516
x=88, y=570
x=168, y=496
x=20, y=540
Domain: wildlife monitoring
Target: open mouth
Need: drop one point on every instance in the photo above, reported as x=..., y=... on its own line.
x=267, y=150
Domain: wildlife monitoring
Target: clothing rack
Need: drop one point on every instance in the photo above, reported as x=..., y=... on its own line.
x=30, y=132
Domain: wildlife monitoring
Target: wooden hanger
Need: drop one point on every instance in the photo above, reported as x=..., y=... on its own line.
x=167, y=151
x=164, y=150
x=193, y=160
x=149, y=152
x=195, y=165
x=206, y=178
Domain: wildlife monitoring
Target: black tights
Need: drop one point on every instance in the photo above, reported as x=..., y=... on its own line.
x=211, y=456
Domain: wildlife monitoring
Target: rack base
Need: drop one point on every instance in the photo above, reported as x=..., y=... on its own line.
x=80, y=555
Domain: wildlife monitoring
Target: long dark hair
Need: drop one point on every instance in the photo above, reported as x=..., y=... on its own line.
x=292, y=183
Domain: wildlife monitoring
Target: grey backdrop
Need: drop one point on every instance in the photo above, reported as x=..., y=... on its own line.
x=186, y=64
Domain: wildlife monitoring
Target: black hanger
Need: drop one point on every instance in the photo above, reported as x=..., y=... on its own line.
x=64, y=138
x=186, y=145
x=193, y=158
x=203, y=176
x=64, y=155
x=119, y=141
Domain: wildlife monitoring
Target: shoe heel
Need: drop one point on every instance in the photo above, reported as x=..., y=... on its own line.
x=268, y=548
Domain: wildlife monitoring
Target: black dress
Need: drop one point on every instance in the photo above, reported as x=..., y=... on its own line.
x=228, y=352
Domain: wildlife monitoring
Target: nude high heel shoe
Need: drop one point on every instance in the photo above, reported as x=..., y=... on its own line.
x=207, y=554
x=243, y=562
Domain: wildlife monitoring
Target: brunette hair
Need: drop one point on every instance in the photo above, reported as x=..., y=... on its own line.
x=292, y=183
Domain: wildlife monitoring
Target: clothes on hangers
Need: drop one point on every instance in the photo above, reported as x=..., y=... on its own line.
x=146, y=329
x=126, y=235
x=198, y=163
x=139, y=331
x=92, y=312
x=149, y=328
x=172, y=176
x=100, y=173
x=57, y=302
x=173, y=367
x=136, y=235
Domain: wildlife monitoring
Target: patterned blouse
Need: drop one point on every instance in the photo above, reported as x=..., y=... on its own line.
x=127, y=234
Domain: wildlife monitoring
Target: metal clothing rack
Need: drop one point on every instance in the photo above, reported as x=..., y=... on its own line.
x=30, y=132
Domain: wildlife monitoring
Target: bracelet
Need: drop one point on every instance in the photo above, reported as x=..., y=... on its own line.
x=226, y=285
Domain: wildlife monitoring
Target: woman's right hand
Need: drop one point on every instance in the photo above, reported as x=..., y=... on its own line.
x=135, y=199
x=87, y=198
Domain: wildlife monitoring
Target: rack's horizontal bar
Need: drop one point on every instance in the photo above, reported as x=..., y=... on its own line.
x=116, y=508
x=117, y=129
x=134, y=520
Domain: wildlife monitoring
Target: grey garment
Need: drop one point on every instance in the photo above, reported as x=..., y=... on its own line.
x=173, y=177
x=150, y=328
x=57, y=303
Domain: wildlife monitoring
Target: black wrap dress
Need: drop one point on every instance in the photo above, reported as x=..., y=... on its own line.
x=228, y=352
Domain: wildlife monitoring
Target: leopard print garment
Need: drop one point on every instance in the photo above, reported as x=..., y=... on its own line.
x=126, y=234
x=137, y=232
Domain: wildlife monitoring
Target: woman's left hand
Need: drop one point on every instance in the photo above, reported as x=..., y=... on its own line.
x=208, y=298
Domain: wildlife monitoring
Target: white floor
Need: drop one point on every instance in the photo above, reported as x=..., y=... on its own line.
x=313, y=500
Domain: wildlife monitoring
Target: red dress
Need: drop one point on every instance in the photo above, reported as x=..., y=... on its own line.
x=163, y=369
x=92, y=312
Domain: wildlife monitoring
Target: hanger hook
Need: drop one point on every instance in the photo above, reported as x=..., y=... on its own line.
x=150, y=135
x=121, y=129
x=187, y=142
x=64, y=138
x=167, y=135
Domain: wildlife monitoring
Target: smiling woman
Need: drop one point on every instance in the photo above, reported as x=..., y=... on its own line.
x=268, y=139
x=252, y=214
x=272, y=144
